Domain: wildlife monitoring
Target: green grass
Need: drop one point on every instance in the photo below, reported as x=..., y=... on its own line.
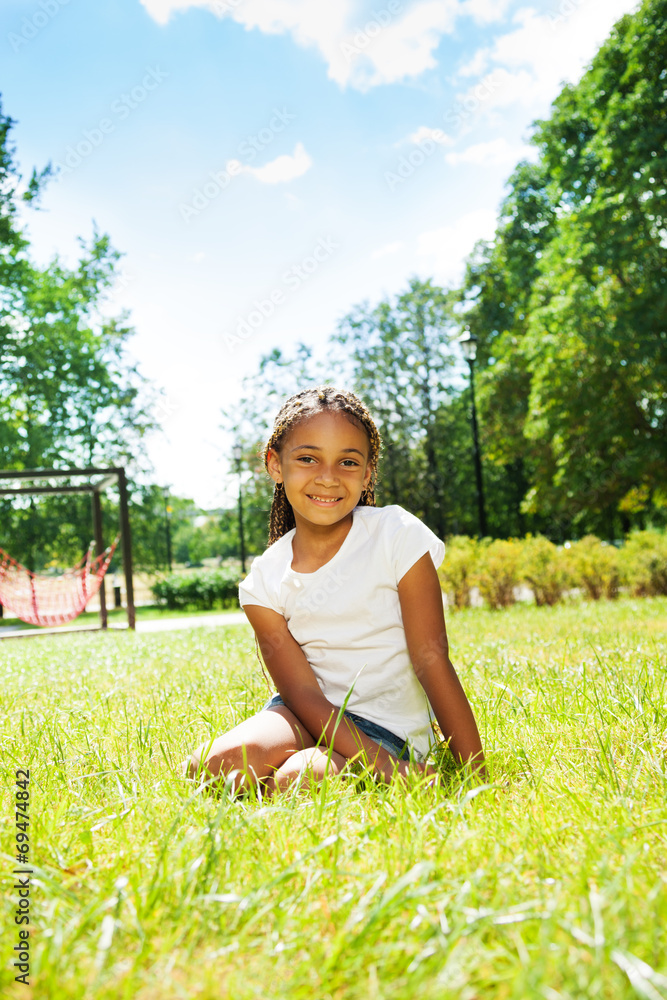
x=550, y=884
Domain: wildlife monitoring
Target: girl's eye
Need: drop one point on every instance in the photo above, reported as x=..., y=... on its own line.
x=308, y=459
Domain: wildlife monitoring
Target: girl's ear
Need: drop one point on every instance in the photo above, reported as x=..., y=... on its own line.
x=273, y=465
x=367, y=475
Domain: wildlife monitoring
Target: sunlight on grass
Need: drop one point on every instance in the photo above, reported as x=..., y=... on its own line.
x=549, y=883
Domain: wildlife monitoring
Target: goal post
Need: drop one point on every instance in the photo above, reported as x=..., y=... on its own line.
x=22, y=482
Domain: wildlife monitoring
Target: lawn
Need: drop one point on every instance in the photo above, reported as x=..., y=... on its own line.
x=551, y=882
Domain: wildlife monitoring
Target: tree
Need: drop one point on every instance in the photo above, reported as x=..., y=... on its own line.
x=570, y=298
x=68, y=393
x=596, y=340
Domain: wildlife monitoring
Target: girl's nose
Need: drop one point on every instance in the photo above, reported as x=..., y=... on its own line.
x=327, y=477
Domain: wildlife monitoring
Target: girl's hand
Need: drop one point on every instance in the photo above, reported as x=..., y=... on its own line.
x=402, y=768
x=394, y=768
x=428, y=769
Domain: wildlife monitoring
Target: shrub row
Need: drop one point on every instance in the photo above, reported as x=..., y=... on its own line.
x=203, y=590
x=598, y=570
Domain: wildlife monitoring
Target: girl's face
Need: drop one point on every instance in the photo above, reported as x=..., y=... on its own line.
x=324, y=466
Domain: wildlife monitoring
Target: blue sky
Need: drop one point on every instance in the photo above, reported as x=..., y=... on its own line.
x=265, y=165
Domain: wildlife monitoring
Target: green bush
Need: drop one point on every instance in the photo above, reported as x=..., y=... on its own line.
x=644, y=563
x=457, y=573
x=543, y=566
x=595, y=567
x=598, y=569
x=499, y=573
x=202, y=590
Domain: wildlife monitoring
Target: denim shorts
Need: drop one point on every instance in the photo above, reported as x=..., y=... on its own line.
x=394, y=744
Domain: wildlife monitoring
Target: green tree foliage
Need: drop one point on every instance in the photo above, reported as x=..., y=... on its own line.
x=69, y=396
x=207, y=541
x=570, y=299
x=597, y=340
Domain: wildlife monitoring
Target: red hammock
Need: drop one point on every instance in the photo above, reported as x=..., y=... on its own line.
x=47, y=600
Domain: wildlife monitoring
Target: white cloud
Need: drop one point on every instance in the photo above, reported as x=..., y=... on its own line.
x=389, y=44
x=387, y=249
x=485, y=11
x=543, y=51
x=283, y=169
x=425, y=133
x=403, y=48
x=449, y=246
x=161, y=10
x=477, y=65
x=496, y=152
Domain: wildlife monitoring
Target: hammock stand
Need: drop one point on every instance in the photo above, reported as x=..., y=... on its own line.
x=98, y=480
x=40, y=599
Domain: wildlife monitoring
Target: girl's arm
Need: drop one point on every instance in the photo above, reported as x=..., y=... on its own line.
x=298, y=687
x=426, y=634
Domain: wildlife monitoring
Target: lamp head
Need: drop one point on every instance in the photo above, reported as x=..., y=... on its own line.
x=468, y=342
x=237, y=452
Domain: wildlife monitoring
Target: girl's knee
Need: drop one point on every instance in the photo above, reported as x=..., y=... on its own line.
x=305, y=766
x=210, y=760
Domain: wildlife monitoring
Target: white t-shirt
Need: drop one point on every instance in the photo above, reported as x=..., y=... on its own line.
x=346, y=616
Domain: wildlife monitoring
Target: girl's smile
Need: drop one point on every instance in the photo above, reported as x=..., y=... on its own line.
x=324, y=500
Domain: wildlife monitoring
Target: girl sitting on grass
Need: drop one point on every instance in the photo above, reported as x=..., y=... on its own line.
x=347, y=610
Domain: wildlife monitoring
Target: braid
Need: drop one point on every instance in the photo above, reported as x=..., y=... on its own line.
x=304, y=404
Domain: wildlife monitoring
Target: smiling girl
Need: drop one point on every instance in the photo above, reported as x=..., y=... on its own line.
x=347, y=610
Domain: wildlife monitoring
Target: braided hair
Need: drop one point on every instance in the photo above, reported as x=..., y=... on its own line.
x=305, y=404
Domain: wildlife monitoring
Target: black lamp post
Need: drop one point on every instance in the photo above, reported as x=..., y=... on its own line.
x=167, y=524
x=468, y=342
x=238, y=454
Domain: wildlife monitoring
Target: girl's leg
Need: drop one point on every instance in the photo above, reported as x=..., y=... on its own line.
x=256, y=747
x=311, y=764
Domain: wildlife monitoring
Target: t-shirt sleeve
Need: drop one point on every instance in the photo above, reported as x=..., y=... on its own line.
x=255, y=589
x=410, y=540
